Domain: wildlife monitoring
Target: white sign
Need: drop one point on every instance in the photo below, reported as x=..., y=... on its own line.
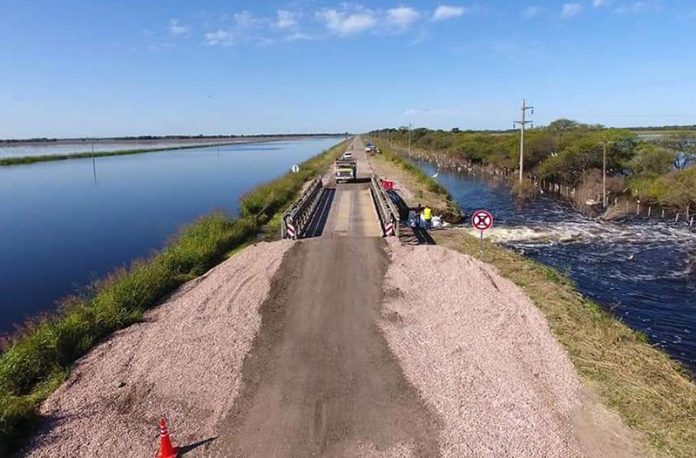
x=295, y=168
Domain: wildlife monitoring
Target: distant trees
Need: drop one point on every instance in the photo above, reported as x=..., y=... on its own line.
x=684, y=145
x=571, y=153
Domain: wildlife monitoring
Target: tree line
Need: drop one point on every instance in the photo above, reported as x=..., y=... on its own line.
x=655, y=170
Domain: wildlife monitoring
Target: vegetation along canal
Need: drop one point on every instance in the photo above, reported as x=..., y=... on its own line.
x=641, y=270
x=66, y=223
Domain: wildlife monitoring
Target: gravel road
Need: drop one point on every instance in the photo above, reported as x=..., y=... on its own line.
x=482, y=356
x=184, y=362
x=321, y=380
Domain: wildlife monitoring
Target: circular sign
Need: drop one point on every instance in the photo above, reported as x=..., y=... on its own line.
x=482, y=220
x=295, y=168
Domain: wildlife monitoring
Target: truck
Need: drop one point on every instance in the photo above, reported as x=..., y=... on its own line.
x=346, y=169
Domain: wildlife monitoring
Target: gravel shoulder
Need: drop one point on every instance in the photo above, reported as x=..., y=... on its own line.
x=183, y=362
x=320, y=379
x=482, y=356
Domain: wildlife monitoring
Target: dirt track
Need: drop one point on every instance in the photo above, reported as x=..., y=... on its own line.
x=320, y=379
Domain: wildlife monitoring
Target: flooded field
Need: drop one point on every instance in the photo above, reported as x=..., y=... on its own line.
x=66, y=223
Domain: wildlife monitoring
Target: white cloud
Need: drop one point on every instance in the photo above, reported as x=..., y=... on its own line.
x=348, y=23
x=639, y=7
x=286, y=19
x=444, y=12
x=571, y=9
x=220, y=37
x=402, y=16
x=175, y=28
x=599, y=3
x=244, y=20
x=530, y=12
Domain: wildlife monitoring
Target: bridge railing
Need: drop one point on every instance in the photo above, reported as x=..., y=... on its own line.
x=295, y=219
x=388, y=213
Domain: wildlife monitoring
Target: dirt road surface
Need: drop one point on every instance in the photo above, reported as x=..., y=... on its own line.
x=321, y=380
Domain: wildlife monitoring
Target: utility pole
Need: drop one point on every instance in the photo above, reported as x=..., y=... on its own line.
x=523, y=123
x=604, y=175
x=409, y=139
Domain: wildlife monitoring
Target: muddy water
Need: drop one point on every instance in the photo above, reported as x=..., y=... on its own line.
x=642, y=270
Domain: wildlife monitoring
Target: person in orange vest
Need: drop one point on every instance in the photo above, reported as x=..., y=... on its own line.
x=427, y=216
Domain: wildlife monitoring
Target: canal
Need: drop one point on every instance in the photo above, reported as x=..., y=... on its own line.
x=64, y=224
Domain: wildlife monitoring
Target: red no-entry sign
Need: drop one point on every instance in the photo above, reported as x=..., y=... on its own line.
x=482, y=220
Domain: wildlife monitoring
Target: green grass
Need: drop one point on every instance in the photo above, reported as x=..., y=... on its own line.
x=24, y=160
x=652, y=393
x=428, y=182
x=38, y=359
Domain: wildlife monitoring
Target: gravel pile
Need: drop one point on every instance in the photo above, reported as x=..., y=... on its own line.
x=481, y=354
x=183, y=362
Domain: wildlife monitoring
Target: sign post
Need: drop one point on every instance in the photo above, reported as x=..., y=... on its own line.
x=481, y=220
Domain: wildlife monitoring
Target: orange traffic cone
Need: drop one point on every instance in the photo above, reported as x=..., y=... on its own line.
x=167, y=450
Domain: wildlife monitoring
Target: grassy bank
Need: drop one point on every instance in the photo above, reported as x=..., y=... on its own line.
x=422, y=182
x=37, y=360
x=23, y=160
x=652, y=393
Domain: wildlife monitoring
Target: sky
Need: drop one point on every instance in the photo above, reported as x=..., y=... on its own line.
x=75, y=68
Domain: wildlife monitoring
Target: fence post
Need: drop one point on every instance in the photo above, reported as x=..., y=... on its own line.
x=676, y=220
x=649, y=211
x=663, y=213
x=691, y=223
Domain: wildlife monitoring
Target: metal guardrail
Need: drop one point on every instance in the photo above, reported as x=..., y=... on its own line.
x=295, y=218
x=388, y=213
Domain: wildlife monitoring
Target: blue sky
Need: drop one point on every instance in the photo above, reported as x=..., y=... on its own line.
x=81, y=68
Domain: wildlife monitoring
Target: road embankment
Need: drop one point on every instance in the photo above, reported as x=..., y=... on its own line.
x=483, y=356
x=651, y=393
x=37, y=359
x=183, y=360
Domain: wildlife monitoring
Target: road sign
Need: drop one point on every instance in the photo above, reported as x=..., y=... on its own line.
x=482, y=220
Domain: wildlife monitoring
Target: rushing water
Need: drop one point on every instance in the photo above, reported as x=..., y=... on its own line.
x=642, y=270
x=65, y=223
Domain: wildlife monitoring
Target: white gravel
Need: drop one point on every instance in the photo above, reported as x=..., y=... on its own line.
x=481, y=354
x=184, y=362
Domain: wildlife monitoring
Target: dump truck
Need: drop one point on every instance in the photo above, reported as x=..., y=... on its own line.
x=346, y=169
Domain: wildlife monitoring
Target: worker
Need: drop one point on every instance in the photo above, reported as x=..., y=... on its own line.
x=427, y=216
x=419, y=215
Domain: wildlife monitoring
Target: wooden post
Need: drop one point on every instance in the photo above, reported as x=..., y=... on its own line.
x=691, y=223
x=649, y=211
x=638, y=208
x=676, y=220
x=663, y=213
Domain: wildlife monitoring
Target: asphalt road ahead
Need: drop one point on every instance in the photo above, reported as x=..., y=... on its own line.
x=320, y=379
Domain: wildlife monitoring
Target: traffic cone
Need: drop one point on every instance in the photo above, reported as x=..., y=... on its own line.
x=167, y=450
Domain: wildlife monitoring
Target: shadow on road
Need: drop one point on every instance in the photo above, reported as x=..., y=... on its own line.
x=320, y=215
x=187, y=448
